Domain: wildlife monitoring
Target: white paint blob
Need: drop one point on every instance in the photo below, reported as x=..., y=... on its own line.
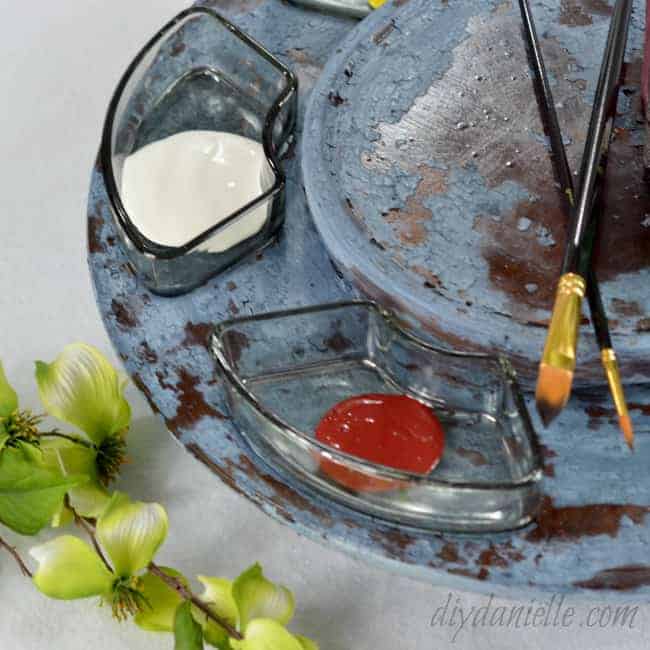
x=178, y=187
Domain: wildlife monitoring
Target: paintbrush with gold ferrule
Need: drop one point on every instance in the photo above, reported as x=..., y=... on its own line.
x=565, y=178
x=601, y=328
x=559, y=357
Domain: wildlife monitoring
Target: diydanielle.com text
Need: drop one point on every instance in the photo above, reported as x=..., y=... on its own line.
x=552, y=612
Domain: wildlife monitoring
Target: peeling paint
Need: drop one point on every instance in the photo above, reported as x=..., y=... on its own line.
x=622, y=578
x=192, y=403
x=573, y=522
x=462, y=110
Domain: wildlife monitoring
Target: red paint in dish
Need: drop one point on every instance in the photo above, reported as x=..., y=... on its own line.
x=392, y=430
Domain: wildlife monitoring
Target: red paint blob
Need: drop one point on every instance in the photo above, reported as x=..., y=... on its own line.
x=392, y=430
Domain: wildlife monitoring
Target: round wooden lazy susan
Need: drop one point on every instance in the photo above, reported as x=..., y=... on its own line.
x=593, y=532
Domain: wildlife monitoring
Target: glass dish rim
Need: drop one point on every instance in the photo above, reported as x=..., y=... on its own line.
x=288, y=93
x=373, y=469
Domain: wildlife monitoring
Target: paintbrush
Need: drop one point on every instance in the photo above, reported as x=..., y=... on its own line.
x=601, y=328
x=559, y=356
x=565, y=178
x=645, y=91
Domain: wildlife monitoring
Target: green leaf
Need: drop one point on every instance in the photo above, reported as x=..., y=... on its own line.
x=307, y=644
x=188, y=634
x=257, y=597
x=82, y=388
x=89, y=499
x=8, y=397
x=131, y=533
x=218, y=596
x=163, y=601
x=3, y=439
x=30, y=494
x=70, y=569
x=266, y=634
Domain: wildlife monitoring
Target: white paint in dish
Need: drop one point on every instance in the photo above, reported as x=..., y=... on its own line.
x=178, y=187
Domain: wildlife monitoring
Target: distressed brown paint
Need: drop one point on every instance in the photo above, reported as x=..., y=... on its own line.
x=621, y=578
x=574, y=522
x=197, y=334
x=192, y=405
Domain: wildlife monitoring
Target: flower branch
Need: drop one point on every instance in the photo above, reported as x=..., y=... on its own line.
x=14, y=553
x=87, y=526
x=55, y=433
x=186, y=594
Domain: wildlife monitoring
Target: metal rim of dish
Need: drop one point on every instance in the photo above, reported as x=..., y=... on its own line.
x=356, y=10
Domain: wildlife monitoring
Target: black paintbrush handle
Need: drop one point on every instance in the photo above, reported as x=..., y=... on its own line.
x=562, y=170
x=600, y=126
x=596, y=307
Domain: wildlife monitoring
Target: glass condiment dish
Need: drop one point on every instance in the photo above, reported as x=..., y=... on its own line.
x=199, y=72
x=284, y=370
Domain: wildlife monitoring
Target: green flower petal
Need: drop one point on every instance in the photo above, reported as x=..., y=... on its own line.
x=3, y=439
x=257, y=597
x=90, y=499
x=68, y=457
x=218, y=595
x=82, y=388
x=213, y=635
x=62, y=517
x=163, y=601
x=266, y=634
x=69, y=569
x=8, y=397
x=131, y=533
x=307, y=644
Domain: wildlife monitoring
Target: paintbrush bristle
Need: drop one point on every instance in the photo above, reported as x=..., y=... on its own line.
x=553, y=390
x=625, y=423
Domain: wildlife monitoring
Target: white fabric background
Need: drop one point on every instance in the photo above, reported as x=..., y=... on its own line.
x=58, y=65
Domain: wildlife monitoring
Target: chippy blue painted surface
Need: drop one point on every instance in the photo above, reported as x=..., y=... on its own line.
x=428, y=175
x=593, y=531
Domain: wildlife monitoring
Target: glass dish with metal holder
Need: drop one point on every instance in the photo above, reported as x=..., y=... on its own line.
x=285, y=370
x=353, y=8
x=199, y=72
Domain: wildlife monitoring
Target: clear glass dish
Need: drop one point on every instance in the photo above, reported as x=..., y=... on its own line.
x=285, y=370
x=354, y=8
x=200, y=72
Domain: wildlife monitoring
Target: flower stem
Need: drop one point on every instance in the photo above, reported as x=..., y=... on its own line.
x=64, y=436
x=186, y=594
x=89, y=529
x=23, y=567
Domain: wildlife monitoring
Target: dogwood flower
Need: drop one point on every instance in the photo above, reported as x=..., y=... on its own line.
x=81, y=388
x=130, y=534
x=256, y=607
x=16, y=426
x=31, y=493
